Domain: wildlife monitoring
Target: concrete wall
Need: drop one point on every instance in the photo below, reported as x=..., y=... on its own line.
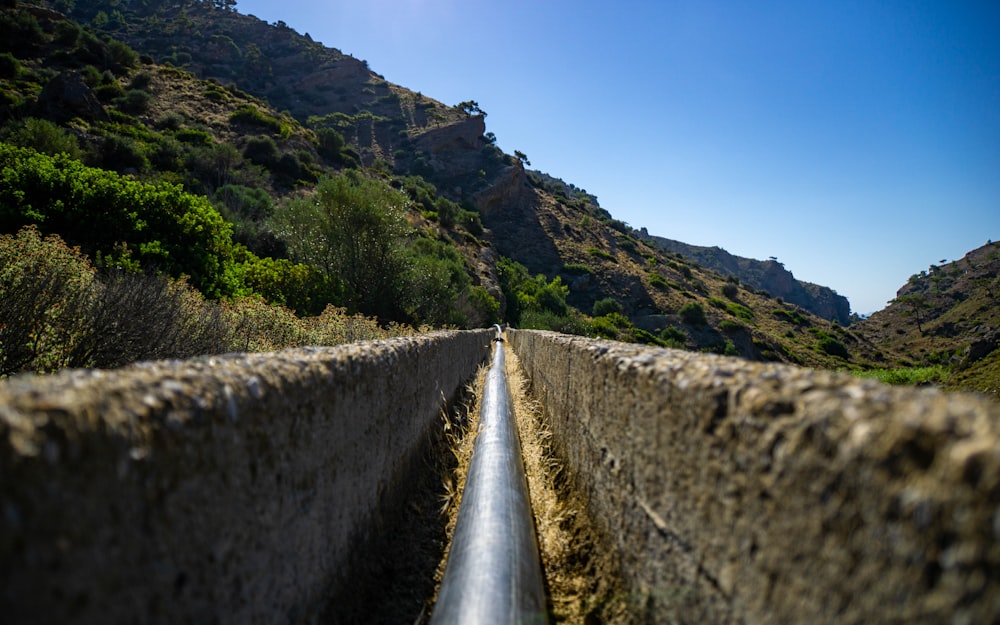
x=234, y=489
x=738, y=492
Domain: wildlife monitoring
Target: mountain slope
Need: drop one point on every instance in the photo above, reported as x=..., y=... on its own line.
x=766, y=275
x=947, y=314
x=618, y=285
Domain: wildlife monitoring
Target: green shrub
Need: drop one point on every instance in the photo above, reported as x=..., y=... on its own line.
x=657, y=281
x=739, y=310
x=599, y=253
x=299, y=287
x=832, y=346
x=606, y=306
x=99, y=210
x=44, y=285
x=250, y=115
x=134, y=102
x=120, y=153
x=795, y=317
x=604, y=327
x=195, y=136
x=693, y=313
x=43, y=136
x=123, y=57
x=577, y=269
x=673, y=337
x=10, y=67
x=109, y=92
x=22, y=34
x=262, y=151
x=470, y=221
x=730, y=290
x=638, y=335
x=142, y=80
x=435, y=279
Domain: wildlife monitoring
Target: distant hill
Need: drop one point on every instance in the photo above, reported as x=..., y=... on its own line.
x=767, y=275
x=947, y=314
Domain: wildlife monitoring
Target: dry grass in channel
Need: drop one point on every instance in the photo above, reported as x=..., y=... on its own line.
x=582, y=577
x=582, y=581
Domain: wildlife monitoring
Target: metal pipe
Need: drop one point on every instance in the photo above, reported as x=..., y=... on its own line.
x=493, y=574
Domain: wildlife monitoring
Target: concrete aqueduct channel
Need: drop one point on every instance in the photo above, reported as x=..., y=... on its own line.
x=278, y=488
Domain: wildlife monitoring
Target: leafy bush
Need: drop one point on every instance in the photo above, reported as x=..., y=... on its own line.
x=599, y=253
x=693, y=313
x=195, y=136
x=44, y=284
x=657, y=281
x=134, y=102
x=262, y=151
x=832, y=346
x=577, y=269
x=162, y=226
x=43, y=136
x=250, y=115
x=673, y=337
x=434, y=280
x=730, y=290
x=531, y=294
x=142, y=80
x=606, y=306
x=9, y=66
x=795, y=317
x=739, y=310
x=604, y=327
x=121, y=153
x=352, y=231
x=299, y=287
x=548, y=320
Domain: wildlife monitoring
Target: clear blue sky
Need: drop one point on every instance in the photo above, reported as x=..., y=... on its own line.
x=858, y=141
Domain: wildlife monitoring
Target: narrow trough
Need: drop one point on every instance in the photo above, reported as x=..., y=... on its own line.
x=493, y=573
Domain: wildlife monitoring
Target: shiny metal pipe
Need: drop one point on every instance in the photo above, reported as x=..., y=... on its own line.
x=493, y=575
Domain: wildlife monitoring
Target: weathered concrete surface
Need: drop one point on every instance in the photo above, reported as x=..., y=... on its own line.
x=740, y=492
x=233, y=489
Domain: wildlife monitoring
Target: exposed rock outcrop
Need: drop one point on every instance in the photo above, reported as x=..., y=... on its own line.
x=767, y=275
x=67, y=96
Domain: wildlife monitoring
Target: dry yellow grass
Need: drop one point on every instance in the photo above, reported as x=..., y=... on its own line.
x=582, y=576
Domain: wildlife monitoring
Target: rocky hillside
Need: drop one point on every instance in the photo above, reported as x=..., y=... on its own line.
x=766, y=275
x=214, y=75
x=948, y=314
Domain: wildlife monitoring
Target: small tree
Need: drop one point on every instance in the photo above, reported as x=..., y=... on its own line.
x=914, y=305
x=352, y=230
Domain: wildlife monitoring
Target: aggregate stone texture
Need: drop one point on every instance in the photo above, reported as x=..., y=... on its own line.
x=228, y=489
x=740, y=492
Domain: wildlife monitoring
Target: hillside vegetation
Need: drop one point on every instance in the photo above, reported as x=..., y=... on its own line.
x=947, y=316
x=185, y=140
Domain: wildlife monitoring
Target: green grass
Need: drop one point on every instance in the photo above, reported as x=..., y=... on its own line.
x=908, y=375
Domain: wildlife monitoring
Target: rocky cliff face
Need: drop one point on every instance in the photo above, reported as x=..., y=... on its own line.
x=766, y=275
